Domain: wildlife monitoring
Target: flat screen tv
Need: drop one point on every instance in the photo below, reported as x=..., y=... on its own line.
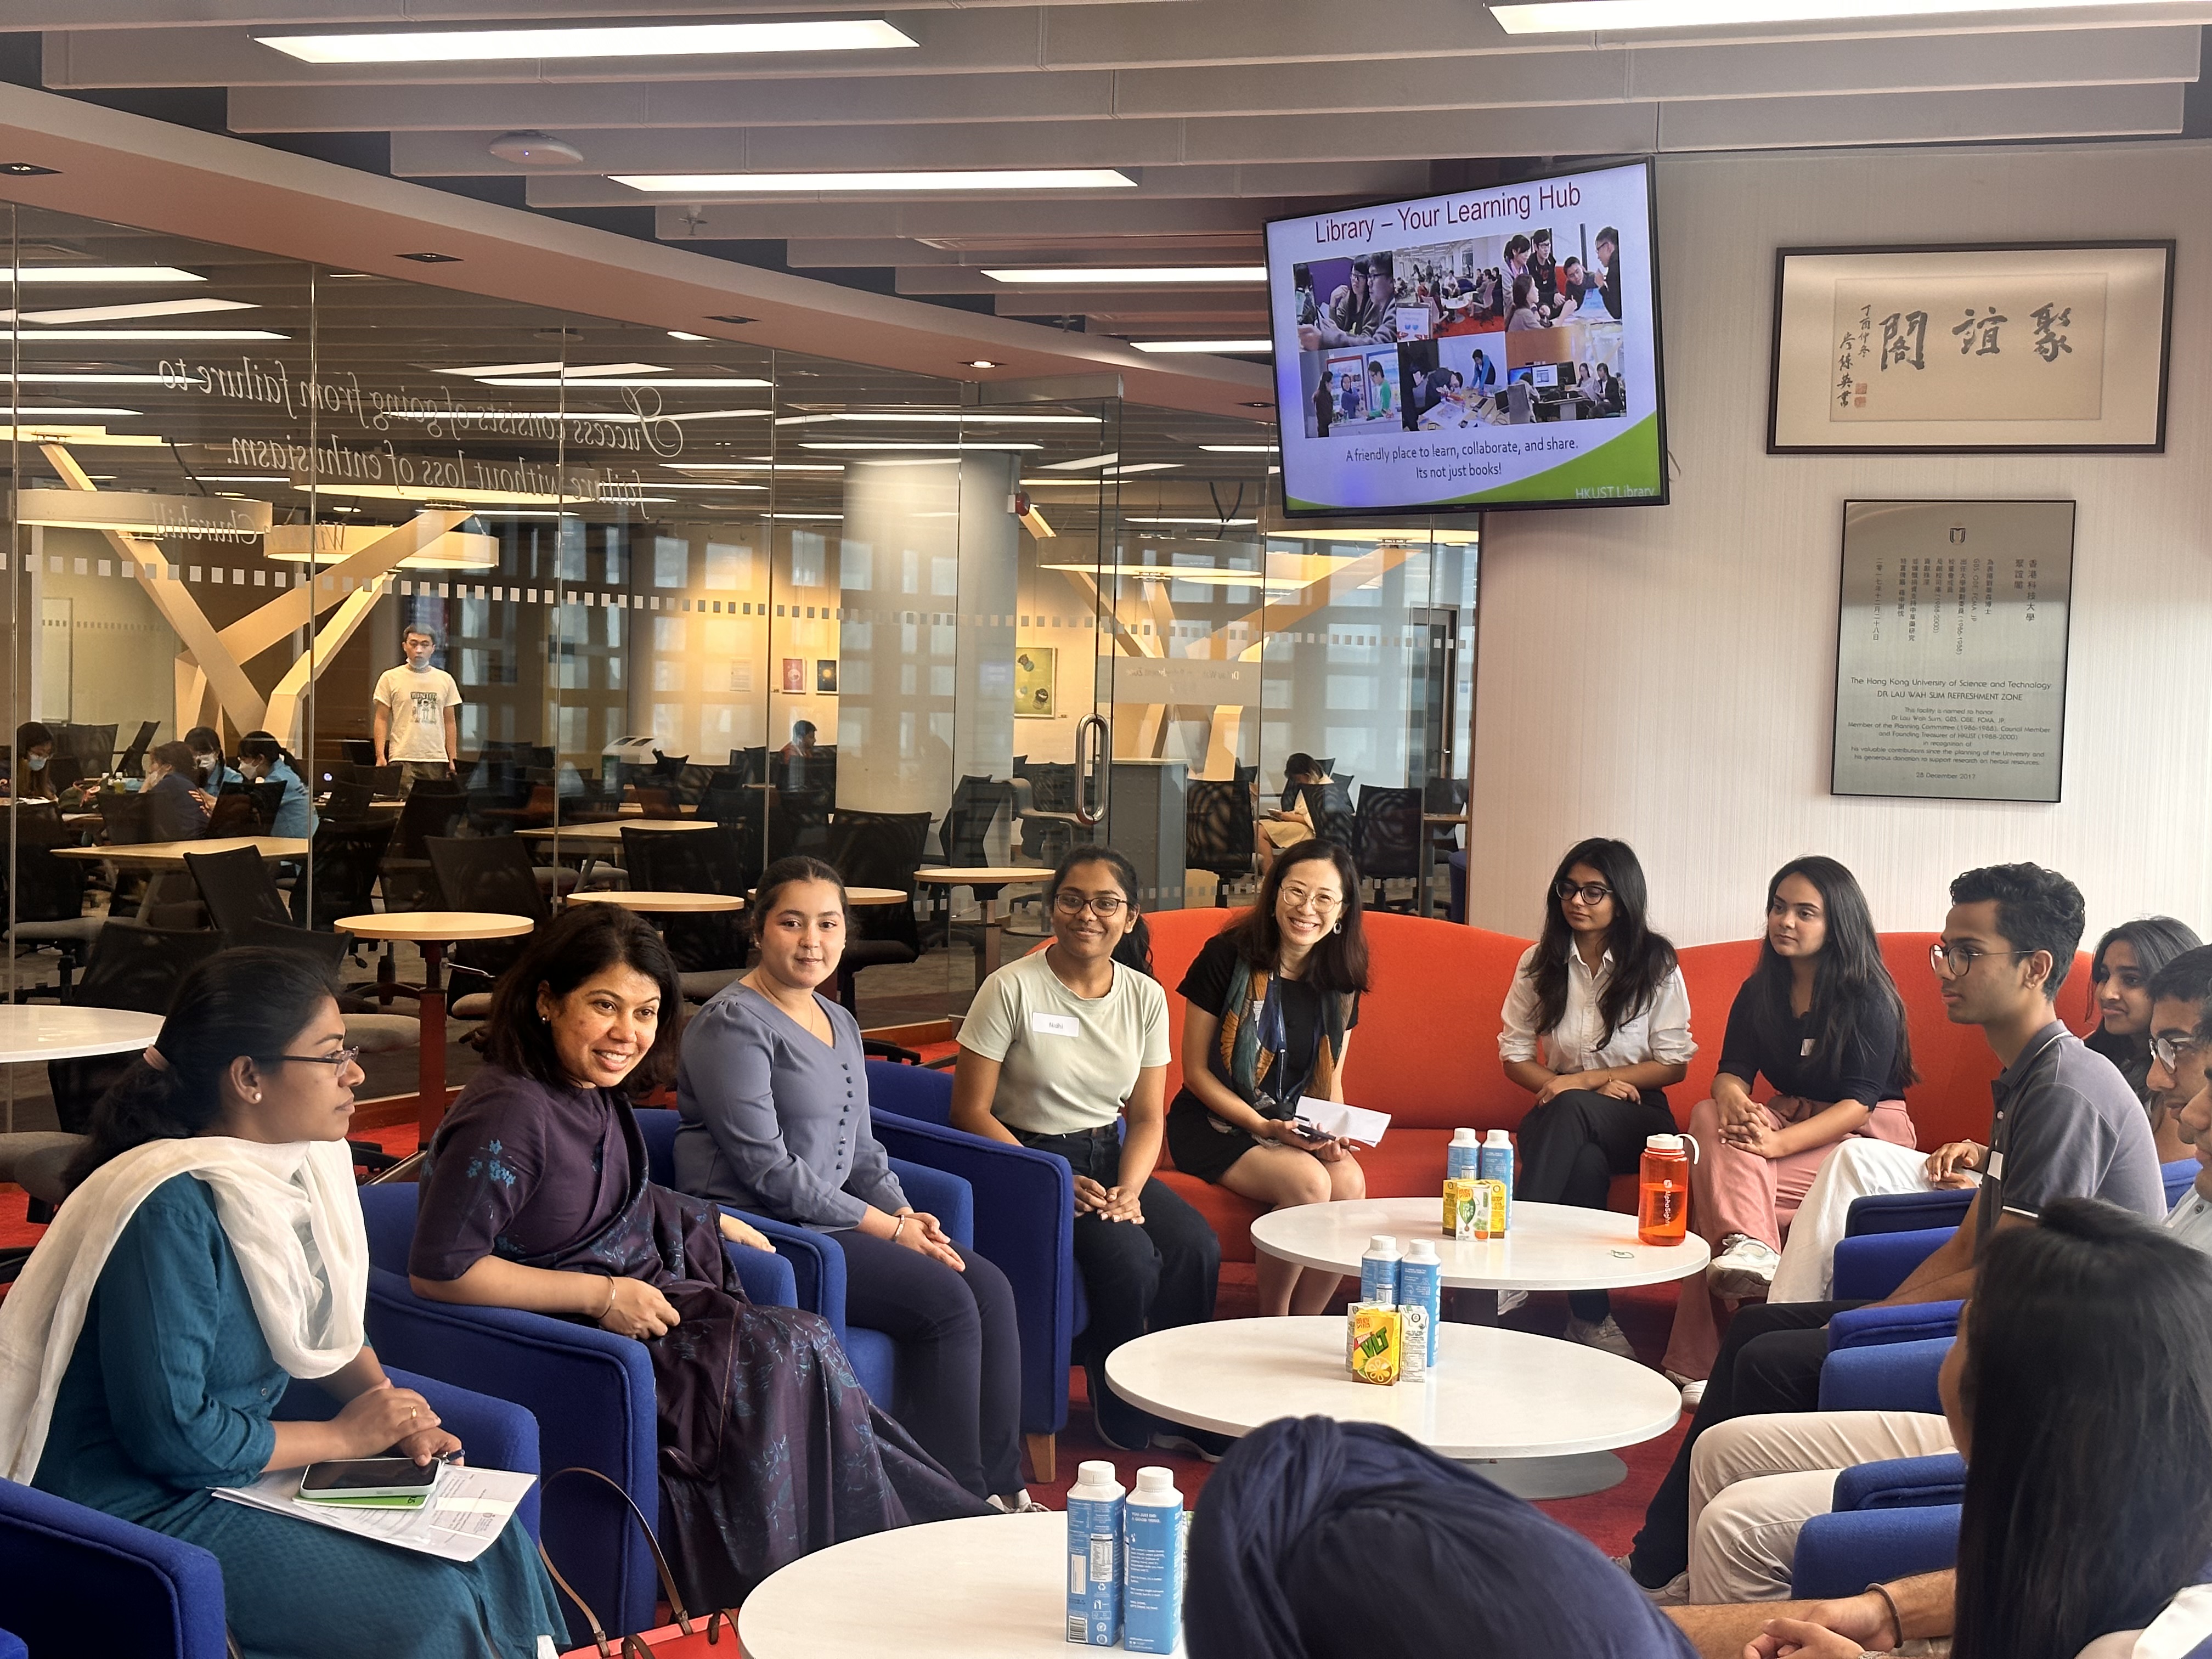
x=1493, y=348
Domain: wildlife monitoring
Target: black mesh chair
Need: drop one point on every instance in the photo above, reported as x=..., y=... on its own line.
x=433, y=807
x=1387, y=838
x=485, y=872
x=133, y=967
x=1330, y=807
x=124, y=820
x=48, y=893
x=347, y=860
x=349, y=802
x=710, y=949
x=232, y=815
x=877, y=849
x=131, y=764
x=976, y=804
x=238, y=890
x=1217, y=831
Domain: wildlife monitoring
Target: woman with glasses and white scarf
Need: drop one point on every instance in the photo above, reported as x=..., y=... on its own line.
x=210, y=1251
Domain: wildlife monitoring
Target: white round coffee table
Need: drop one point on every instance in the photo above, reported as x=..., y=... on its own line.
x=41, y=1032
x=1550, y=1246
x=1530, y=1410
x=991, y=1587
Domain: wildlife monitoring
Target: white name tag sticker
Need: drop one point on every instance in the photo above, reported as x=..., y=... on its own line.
x=1996, y=1166
x=1055, y=1024
x=1805, y=1048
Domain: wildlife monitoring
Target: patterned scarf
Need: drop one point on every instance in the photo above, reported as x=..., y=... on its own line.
x=1250, y=1046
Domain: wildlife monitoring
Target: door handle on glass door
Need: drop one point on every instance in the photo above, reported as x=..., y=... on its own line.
x=1093, y=730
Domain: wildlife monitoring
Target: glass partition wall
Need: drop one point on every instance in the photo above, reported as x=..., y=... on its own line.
x=472, y=607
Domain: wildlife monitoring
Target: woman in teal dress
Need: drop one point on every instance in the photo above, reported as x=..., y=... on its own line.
x=211, y=1250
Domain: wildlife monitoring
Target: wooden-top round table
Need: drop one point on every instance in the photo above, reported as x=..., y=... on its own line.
x=988, y=880
x=432, y=931
x=41, y=1032
x=1529, y=1409
x=645, y=903
x=864, y=896
x=994, y=1587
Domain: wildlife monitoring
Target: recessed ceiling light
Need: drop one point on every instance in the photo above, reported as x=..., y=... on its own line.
x=505, y=368
x=678, y=334
x=1238, y=449
x=969, y=417
x=1170, y=571
x=433, y=258
x=351, y=276
x=534, y=149
x=125, y=313
x=979, y=363
x=725, y=382
x=904, y=446
x=666, y=484
x=1107, y=459
x=808, y=518
x=754, y=466
x=1187, y=346
x=1578, y=16
x=53, y=412
x=601, y=416
x=101, y=274
x=760, y=183
x=28, y=170
x=1256, y=403
x=648, y=40
x=126, y=334
x=1116, y=275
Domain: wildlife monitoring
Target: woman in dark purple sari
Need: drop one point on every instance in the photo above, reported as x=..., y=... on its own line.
x=536, y=1197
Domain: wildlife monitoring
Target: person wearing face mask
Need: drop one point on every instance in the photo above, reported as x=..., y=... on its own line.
x=1269, y=1005
x=774, y=1089
x=262, y=759
x=414, y=723
x=174, y=808
x=211, y=1259
x=210, y=771
x=537, y=1197
x=34, y=753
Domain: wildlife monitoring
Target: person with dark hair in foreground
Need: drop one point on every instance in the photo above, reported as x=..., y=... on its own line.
x=537, y=1197
x=774, y=1089
x=212, y=1252
x=1066, y=1050
x=1269, y=1007
x=1321, y=1540
x=1597, y=1026
x=2065, y=1125
x=2080, y=1393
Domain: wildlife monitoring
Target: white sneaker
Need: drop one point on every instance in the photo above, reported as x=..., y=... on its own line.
x=1605, y=1335
x=1674, y=1593
x=1692, y=1387
x=1016, y=1503
x=1744, y=1269
x=1509, y=1300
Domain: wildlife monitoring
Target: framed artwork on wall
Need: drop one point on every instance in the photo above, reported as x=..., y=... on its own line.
x=825, y=675
x=1988, y=349
x=1036, y=670
x=794, y=673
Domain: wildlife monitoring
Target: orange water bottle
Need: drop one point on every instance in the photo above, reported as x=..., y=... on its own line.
x=1662, y=1210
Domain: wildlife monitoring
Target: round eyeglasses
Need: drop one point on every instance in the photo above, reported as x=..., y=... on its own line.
x=1592, y=893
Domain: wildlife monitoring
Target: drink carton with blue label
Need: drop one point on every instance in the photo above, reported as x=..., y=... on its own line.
x=1095, y=1506
x=1154, y=1526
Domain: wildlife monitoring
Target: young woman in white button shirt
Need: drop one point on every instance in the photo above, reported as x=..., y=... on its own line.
x=1597, y=1025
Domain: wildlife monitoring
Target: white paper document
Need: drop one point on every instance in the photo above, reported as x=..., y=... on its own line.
x=468, y=1511
x=1329, y=1117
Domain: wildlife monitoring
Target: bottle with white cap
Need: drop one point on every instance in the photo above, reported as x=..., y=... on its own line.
x=1497, y=1165
x=1378, y=1271
x=1154, y=1525
x=1462, y=1157
x=1663, y=1211
x=1094, y=1556
x=1420, y=1293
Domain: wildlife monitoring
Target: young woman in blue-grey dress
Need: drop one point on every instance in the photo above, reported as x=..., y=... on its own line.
x=211, y=1251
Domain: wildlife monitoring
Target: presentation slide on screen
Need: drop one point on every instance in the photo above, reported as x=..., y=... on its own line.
x=1497, y=347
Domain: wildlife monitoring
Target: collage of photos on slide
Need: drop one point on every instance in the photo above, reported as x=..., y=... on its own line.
x=1493, y=331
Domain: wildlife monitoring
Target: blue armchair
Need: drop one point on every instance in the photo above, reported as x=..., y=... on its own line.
x=818, y=1265
x=592, y=1393
x=11, y=1646
x=74, y=1580
x=1025, y=1224
x=1889, y=1519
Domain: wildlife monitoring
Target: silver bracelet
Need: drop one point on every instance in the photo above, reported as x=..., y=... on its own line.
x=899, y=1228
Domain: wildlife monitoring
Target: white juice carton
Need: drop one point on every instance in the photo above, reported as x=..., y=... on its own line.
x=1154, y=1526
x=1095, y=1504
x=1421, y=1299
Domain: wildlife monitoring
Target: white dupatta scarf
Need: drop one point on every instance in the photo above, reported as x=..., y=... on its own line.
x=293, y=1219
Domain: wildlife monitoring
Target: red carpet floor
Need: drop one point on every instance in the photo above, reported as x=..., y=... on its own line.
x=1608, y=1519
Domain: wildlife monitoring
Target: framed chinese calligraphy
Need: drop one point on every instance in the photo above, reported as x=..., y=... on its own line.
x=2058, y=346
x=1951, y=649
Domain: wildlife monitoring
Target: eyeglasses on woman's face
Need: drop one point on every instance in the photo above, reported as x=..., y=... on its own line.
x=1592, y=893
x=1321, y=901
x=338, y=1058
x=1104, y=906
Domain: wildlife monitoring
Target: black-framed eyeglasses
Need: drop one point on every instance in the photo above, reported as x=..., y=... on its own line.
x=1105, y=906
x=1590, y=892
x=338, y=1059
x=1957, y=959
x=2168, y=1051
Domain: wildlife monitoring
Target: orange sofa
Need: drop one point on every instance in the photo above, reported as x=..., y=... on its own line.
x=1425, y=1049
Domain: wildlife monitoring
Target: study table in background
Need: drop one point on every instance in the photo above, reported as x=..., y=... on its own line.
x=432, y=931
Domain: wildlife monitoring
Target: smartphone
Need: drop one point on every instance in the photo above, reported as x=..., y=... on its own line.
x=352, y=1478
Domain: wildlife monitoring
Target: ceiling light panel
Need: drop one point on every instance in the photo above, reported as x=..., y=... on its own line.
x=126, y=312
x=1581, y=16
x=118, y=274
x=876, y=184
x=650, y=40
x=1189, y=346
x=1131, y=275
x=858, y=447
x=127, y=335
x=972, y=417
x=724, y=382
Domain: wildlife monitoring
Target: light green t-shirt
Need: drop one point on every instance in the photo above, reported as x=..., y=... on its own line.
x=1066, y=1063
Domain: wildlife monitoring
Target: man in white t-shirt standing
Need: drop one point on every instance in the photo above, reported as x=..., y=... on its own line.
x=415, y=722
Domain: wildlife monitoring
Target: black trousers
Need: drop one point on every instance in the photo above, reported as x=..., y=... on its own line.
x=1151, y=1276
x=1571, y=1147
x=1770, y=1361
x=959, y=1354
